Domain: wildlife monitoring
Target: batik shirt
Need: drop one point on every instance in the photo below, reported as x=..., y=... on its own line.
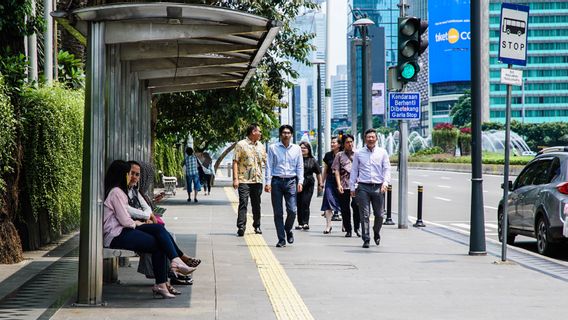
x=250, y=158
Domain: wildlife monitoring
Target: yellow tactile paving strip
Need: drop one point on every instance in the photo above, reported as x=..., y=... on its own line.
x=285, y=300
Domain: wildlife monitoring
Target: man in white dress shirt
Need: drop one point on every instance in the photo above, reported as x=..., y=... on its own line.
x=284, y=177
x=370, y=177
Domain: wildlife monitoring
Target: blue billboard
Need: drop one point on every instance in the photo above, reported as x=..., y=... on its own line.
x=449, y=39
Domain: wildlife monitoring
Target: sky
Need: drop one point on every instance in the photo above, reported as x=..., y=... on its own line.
x=338, y=42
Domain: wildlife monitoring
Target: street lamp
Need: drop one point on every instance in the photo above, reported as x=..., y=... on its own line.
x=318, y=63
x=367, y=114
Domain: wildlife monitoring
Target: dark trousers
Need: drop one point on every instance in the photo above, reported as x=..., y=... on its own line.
x=149, y=238
x=206, y=182
x=304, y=200
x=246, y=191
x=344, y=200
x=283, y=188
x=370, y=195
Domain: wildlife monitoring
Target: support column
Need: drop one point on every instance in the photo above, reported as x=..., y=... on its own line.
x=92, y=197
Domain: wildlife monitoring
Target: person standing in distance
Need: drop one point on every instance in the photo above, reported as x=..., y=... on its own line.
x=249, y=158
x=370, y=176
x=284, y=178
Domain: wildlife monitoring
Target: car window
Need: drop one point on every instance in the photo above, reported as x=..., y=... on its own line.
x=542, y=172
x=555, y=171
x=526, y=176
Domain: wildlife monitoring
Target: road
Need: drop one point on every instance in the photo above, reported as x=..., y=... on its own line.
x=447, y=201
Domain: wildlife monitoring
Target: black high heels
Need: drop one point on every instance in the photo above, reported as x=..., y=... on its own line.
x=327, y=231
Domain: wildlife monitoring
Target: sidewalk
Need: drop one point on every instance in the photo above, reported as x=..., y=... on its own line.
x=413, y=274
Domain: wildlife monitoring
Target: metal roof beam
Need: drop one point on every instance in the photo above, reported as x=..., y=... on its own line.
x=168, y=63
x=128, y=32
x=188, y=72
x=195, y=87
x=169, y=49
x=165, y=82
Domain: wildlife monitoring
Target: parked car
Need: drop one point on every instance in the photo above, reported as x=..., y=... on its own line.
x=536, y=200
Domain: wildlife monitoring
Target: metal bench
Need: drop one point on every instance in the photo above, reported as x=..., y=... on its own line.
x=112, y=258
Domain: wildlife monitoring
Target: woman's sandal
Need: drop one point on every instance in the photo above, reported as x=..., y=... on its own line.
x=191, y=262
x=172, y=290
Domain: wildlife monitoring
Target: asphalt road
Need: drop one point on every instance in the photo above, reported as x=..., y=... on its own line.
x=447, y=201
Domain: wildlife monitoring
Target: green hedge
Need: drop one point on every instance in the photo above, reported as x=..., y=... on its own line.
x=446, y=138
x=52, y=122
x=7, y=135
x=168, y=159
x=536, y=135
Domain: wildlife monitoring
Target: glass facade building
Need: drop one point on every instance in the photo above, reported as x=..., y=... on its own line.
x=545, y=77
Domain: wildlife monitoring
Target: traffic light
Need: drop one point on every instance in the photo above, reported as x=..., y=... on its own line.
x=422, y=38
x=408, y=48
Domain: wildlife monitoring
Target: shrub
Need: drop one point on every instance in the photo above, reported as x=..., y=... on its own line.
x=53, y=147
x=169, y=160
x=464, y=141
x=7, y=135
x=445, y=136
x=428, y=151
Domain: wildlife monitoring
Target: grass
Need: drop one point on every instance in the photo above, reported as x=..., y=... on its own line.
x=487, y=158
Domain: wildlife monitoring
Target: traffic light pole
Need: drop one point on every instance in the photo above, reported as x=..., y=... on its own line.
x=403, y=158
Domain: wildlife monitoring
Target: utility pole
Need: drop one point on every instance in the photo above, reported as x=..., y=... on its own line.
x=32, y=49
x=477, y=231
x=328, y=35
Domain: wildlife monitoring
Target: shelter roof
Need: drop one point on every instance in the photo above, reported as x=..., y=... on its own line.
x=180, y=47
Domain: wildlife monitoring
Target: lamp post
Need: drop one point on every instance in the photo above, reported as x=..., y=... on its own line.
x=367, y=113
x=318, y=63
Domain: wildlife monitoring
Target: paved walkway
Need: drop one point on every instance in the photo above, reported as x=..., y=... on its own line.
x=413, y=274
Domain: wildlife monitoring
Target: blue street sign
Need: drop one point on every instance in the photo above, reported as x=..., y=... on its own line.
x=514, y=28
x=404, y=105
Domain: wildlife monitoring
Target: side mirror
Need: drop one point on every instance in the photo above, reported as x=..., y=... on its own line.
x=510, y=185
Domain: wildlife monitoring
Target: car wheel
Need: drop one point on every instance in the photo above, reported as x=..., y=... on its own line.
x=510, y=236
x=543, y=244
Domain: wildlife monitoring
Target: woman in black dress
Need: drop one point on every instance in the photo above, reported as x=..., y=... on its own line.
x=305, y=197
x=330, y=195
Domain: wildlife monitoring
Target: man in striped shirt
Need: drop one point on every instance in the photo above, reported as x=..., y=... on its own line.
x=191, y=173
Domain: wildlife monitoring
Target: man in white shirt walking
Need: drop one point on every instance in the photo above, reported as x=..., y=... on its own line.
x=370, y=177
x=284, y=177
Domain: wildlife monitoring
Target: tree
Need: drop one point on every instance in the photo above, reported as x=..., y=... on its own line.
x=461, y=111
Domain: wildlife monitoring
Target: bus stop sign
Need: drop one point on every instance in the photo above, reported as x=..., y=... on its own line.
x=513, y=34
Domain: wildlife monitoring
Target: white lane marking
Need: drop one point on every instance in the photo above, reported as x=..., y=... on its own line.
x=461, y=225
x=467, y=227
x=491, y=225
x=445, y=178
x=417, y=182
x=443, y=199
x=485, y=191
x=394, y=179
x=489, y=207
x=447, y=187
x=410, y=192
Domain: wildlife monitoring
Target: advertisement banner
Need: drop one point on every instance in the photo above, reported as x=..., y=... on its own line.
x=449, y=39
x=378, y=98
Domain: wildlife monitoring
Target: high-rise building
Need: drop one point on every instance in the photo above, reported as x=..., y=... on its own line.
x=339, y=93
x=385, y=14
x=545, y=77
x=305, y=91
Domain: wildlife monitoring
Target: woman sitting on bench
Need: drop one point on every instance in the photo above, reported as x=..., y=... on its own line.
x=140, y=208
x=121, y=232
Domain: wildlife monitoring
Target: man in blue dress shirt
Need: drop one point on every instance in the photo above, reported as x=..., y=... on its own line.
x=284, y=177
x=370, y=177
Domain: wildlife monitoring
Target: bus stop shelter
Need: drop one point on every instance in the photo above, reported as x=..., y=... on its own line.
x=134, y=51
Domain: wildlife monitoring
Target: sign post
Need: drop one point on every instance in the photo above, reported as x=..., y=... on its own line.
x=512, y=50
x=403, y=106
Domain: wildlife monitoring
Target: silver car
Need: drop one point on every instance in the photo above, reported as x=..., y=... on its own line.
x=536, y=200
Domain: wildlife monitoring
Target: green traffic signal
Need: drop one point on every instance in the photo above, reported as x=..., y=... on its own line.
x=408, y=71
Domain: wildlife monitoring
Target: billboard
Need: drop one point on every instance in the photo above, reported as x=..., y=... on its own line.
x=378, y=98
x=449, y=39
